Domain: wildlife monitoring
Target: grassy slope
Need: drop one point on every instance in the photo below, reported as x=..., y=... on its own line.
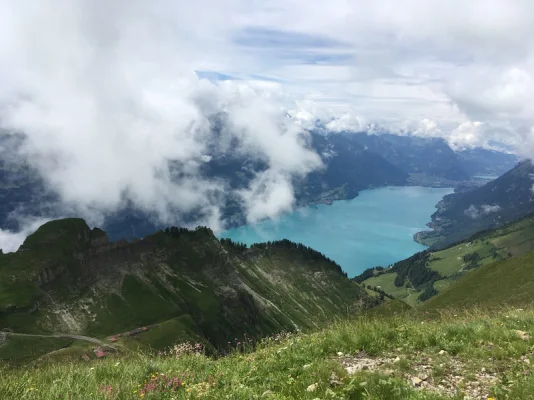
x=512, y=240
x=509, y=282
x=284, y=366
x=511, y=192
x=25, y=349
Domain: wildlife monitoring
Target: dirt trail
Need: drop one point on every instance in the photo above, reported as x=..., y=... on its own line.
x=61, y=335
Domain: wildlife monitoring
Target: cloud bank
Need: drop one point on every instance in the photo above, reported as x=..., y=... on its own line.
x=123, y=102
x=114, y=114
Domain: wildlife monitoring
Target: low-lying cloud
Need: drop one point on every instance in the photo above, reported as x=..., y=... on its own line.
x=475, y=212
x=114, y=115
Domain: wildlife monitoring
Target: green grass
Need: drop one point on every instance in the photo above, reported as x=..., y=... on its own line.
x=506, y=282
x=163, y=335
x=20, y=350
x=284, y=366
x=450, y=261
x=386, y=283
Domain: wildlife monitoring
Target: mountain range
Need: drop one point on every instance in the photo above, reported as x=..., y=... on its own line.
x=434, y=158
x=498, y=202
x=352, y=162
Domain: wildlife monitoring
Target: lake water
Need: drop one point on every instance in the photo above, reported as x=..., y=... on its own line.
x=375, y=228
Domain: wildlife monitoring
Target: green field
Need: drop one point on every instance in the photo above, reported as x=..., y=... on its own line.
x=510, y=241
x=503, y=283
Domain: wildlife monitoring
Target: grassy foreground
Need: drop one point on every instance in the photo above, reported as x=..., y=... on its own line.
x=404, y=356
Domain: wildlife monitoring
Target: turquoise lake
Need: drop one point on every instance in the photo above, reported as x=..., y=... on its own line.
x=375, y=228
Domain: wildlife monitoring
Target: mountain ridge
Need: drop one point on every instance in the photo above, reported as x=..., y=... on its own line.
x=498, y=202
x=211, y=289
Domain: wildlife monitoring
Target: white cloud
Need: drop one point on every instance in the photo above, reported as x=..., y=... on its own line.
x=467, y=135
x=108, y=99
x=10, y=241
x=347, y=122
x=475, y=212
x=268, y=195
x=451, y=62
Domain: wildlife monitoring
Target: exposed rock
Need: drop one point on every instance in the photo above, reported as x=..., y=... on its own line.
x=312, y=387
x=362, y=363
x=416, y=381
x=334, y=380
x=454, y=380
x=522, y=334
x=423, y=377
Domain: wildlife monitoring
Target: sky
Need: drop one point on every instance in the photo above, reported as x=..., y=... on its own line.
x=110, y=93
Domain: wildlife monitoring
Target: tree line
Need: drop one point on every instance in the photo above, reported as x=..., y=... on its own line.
x=380, y=291
x=175, y=232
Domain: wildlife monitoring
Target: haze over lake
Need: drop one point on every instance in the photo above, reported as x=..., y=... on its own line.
x=375, y=228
